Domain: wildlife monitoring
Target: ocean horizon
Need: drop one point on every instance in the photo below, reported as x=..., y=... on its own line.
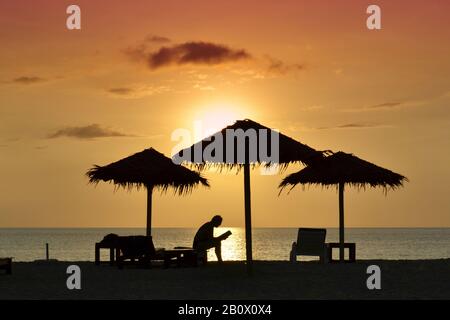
x=77, y=244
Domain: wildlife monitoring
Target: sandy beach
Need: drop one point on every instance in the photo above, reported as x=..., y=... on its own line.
x=419, y=279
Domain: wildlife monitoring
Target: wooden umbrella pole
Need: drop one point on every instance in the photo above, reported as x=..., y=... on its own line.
x=248, y=218
x=341, y=221
x=149, y=210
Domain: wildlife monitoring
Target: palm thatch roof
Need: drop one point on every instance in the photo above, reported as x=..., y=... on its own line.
x=290, y=150
x=148, y=168
x=345, y=168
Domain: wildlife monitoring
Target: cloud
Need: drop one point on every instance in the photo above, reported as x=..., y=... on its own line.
x=15, y=139
x=140, y=51
x=28, y=80
x=204, y=87
x=137, y=53
x=156, y=39
x=279, y=67
x=87, y=132
x=8, y=142
x=121, y=91
x=314, y=107
x=351, y=126
x=386, y=105
x=250, y=74
x=205, y=53
x=390, y=105
x=138, y=91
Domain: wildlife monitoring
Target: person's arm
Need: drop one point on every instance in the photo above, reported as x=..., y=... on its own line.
x=224, y=236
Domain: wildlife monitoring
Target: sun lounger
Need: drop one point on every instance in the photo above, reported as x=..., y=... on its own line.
x=6, y=264
x=110, y=241
x=201, y=256
x=138, y=250
x=310, y=242
x=181, y=257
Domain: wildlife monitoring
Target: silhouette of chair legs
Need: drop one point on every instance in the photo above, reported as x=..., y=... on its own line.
x=200, y=257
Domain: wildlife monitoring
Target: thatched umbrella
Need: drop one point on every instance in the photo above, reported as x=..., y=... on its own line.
x=341, y=169
x=236, y=147
x=150, y=169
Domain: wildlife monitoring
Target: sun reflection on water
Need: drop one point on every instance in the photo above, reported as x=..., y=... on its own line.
x=233, y=248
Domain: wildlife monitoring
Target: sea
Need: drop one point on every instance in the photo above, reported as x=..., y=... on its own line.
x=268, y=243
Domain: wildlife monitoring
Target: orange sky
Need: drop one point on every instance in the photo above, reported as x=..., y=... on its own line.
x=312, y=70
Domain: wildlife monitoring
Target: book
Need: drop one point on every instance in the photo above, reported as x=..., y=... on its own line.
x=224, y=235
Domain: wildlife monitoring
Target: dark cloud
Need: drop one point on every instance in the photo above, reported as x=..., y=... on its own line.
x=387, y=105
x=201, y=53
x=156, y=39
x=140, y=52
x=279, y=67
x=121, y=91
x=28, y=80
x=194, y=53
x=351, y=126
x=87, y=132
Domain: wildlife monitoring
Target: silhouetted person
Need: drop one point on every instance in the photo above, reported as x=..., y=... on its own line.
x=204, y=238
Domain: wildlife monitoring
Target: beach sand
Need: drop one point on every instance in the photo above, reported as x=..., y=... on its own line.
x=421, y=279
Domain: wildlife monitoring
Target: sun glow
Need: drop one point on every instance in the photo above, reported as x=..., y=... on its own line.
x=214, y=117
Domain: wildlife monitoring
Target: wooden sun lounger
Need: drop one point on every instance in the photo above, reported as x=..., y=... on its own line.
x=181, y=257
x=201, y=257
x=138, y=250
x=6, y=264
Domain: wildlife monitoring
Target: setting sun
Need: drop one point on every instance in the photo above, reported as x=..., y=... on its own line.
x=214, y=117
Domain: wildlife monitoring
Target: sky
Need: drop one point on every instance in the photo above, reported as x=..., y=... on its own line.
x=139, y=70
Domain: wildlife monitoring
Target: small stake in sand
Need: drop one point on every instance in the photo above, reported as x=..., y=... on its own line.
x=46, y=252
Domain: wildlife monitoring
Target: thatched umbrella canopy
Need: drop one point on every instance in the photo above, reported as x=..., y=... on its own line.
x=240, y=145
x=340, y=169
x=149, y=169
x=289, y=151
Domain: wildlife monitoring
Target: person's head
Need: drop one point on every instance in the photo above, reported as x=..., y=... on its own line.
x=216, y=221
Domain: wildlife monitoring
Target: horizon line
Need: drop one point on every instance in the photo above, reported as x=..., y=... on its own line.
x=243, y=227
